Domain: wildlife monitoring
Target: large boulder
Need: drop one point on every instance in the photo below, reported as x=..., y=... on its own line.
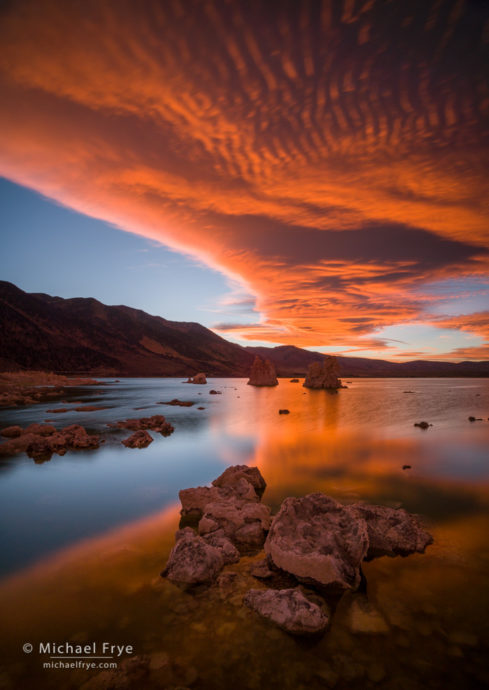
x=193, y=561
x=289, y=609
x=238, y=483
x=232, y=476
x=391, y=531
x=263, y=373
x=323, y=374
x=317, y=540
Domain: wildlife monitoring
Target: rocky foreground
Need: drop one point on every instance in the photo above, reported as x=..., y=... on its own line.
x=315, y=545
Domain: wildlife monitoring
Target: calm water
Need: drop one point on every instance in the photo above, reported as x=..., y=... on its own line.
x=85, y=535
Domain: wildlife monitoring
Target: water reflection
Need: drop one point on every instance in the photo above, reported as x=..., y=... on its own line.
x=352, y=446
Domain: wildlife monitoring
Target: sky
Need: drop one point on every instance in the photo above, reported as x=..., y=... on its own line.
x=302, y=173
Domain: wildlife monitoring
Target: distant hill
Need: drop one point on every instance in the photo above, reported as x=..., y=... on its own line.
x=293, y=361
x=82, y=335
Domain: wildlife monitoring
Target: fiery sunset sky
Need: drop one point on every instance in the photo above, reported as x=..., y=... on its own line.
x=330, y=159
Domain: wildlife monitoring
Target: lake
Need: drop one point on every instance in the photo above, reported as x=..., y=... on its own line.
x=84, y=536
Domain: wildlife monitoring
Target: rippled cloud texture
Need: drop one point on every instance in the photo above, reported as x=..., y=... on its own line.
x=330, y=156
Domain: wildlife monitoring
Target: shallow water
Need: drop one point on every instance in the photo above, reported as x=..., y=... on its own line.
x=85, y=535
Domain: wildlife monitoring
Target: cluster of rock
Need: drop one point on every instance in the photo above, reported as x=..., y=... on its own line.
x=313, y=541
x=40, y=441
x=263, y=373
x=323, y=374
x=198, y=378
x=156, y=423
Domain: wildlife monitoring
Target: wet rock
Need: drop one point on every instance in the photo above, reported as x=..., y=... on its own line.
x=193, y=561
x=40, y=429
x=406, y=467
x=11, y=431
x=294, y=380
x=391, y=531
x=475, y=419
x=59, y=410
x=201, y=408
x=422, y=425
x=139, y=439
x=262, y=373
x=156, y=423
x=284, y=411
x=90, y=408
x=289, y=609
x=323, y=374
x=364, y=618
x=177, y=402
x=234, y=474
x=213, y=392
x=318, y=541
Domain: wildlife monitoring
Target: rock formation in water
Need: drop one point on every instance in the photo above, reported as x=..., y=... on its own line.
x=139, y=439
x=313, y=541
x=198, y=378
x=155, y=423
x=40, y=441
x=262, y=373
x=289, y=609
x=323, y=374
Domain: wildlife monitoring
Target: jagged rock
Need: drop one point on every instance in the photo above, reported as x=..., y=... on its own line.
x=228, y=551
x=263, y=373
x=289, y=609
x=11, y=431
x=245, y=524
x=323, y=374
x=195, y=501
x=139, y=439
x=391, y=531
x=232, y=476
x=317, y=540
x=193, y=560
x=155, y=423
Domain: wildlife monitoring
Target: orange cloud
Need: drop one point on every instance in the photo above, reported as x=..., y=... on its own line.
x=333, y=160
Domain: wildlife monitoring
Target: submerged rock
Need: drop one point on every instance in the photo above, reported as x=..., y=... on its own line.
x=155, y=423
x=364, y=618
x=323, y=374
x=263, y=373
x=193, y=561
x=316, y=539
x=177, y=402
x=139, y=439
x=422, y=425
x=11, y=431
x=289, y=609
x=391, y=531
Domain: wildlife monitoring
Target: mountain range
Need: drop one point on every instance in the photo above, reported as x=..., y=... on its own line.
x=84, y=336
